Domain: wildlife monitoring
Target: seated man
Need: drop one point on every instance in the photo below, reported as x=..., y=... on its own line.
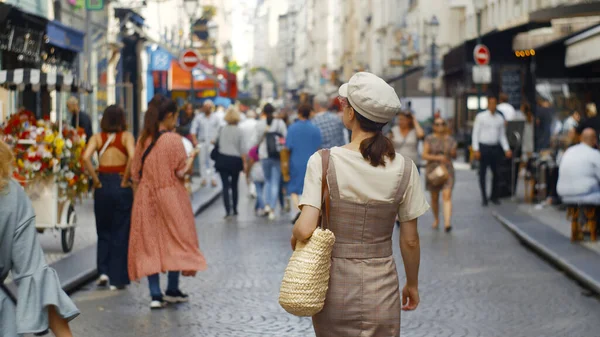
x=579, y=172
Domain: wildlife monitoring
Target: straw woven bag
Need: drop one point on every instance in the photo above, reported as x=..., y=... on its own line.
x=306, y=277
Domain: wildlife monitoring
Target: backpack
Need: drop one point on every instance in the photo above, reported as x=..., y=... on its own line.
x=275, y=143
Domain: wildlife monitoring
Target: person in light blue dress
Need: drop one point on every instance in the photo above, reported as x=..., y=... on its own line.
x=42, y=304
x=303, y=140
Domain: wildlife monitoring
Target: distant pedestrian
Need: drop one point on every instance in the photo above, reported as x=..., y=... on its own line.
x=185, y=119
x=406, y=136
x=369, y=186
x=113, y=197
x=439, y=149
x=230, y=160
x=508, y=111
x=256, y=174
x=331, y=125
x=248, y=127
x=205, y=127
x=79, y=118
x=271, y=133
x=490, y=145
x=163, y=230
x=303, y=140
x=42, y=304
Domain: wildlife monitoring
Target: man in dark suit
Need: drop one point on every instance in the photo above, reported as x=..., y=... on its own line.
x=79, y=118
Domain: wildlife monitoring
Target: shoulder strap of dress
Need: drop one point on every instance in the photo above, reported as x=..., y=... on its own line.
x=405, y=180
x=325, y=201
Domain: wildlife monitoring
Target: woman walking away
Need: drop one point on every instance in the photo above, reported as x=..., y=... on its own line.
x=365, y=177
x=163, y=233
x=113, y=197
x=42, y=303
x=256, y=175
x=230, y=161
x=439, y=149
x=271, y=133
x=303, y=140
x=406, y=136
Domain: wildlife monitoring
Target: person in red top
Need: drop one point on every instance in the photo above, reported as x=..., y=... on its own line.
x=113, y=197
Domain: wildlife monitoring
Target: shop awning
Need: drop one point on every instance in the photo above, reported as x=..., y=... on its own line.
x=20, y=79
x=583, y=48
x=582, y=9
x=65, y=37
x=204, y=80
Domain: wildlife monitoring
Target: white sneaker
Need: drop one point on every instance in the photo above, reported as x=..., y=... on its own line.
x=157, y=303
x=102, y=281
x=271, y=215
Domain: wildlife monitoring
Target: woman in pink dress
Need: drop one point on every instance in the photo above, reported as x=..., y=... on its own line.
x=163, y=234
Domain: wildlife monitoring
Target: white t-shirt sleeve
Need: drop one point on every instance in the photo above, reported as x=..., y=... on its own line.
x=311, y=195
x=414, y=203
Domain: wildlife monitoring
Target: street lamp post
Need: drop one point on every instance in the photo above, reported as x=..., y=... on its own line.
x=434, y=26
x=479, y=6
x=191, y=7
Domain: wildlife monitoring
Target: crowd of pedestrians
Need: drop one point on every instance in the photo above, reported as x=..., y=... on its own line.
x=144, y=218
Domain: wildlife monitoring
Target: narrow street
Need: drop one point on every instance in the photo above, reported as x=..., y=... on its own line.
x=477, y=281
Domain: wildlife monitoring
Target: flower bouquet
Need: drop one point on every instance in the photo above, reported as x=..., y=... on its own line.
x=42, y=153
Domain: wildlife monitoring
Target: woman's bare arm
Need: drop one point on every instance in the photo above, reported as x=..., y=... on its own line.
x=130, y=147
x=411, y=251
x=91, y=148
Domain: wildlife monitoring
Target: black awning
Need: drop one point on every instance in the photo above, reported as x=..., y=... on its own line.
x=406, y=73
x=582, y=9
x=19, y=79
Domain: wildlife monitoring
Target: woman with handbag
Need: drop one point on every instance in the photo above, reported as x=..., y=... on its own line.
x=113, y=197
x=229, y=161
x=406, y=136
x=163, y=231
x=363, y=186
x=439, y=149
x=42, y=304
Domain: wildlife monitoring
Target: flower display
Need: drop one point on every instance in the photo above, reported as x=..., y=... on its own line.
x=42, y=152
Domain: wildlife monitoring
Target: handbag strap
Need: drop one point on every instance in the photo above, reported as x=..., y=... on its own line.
x=148, y=150
x=109, y=141
x=325, y=202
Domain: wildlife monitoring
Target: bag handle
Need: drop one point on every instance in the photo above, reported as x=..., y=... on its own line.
x=109, y=141
x=325, y=201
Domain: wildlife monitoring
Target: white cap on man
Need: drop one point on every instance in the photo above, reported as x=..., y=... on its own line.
x=371, y=97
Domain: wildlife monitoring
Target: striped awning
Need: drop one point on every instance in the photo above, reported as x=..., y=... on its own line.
x=20, y=79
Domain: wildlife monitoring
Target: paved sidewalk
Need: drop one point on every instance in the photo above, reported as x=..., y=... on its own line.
x=546, y=229
x=475, y=281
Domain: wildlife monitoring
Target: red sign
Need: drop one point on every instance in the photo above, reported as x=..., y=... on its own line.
x=481, y=55
x=189, y=59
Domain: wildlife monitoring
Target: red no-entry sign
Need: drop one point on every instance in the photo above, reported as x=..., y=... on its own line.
x=189, y=59
x=481, y=55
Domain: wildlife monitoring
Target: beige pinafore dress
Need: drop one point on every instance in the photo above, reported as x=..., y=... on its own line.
x=363, y=298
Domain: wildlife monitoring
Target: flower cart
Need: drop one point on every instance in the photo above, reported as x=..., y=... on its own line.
x=48, y=164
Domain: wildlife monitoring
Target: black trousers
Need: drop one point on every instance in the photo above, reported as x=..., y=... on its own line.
x=230, y=179
x=112, y=206
x=491, y=156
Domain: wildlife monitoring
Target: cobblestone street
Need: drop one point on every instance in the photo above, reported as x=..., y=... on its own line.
x=477, y=281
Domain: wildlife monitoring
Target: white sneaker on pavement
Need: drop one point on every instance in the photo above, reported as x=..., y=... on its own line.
x=102, y=281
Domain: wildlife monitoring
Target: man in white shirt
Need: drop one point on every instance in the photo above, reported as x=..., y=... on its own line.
x=507, y=110
x=488, y=142
x=220, y=113
x=205, y=127
x=579, y=172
